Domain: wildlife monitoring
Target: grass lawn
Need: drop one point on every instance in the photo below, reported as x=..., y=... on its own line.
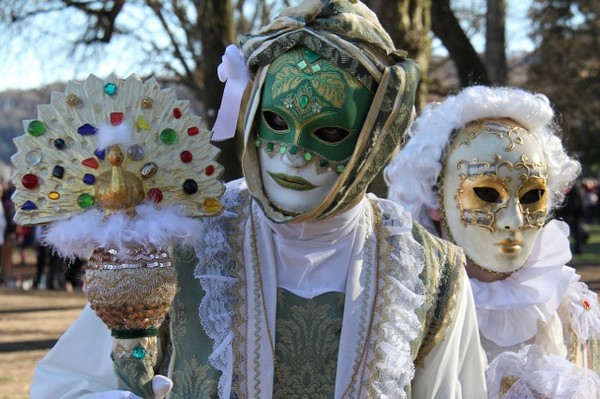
x=591, y=251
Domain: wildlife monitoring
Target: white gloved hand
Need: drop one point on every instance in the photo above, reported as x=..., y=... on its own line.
x=161, y=386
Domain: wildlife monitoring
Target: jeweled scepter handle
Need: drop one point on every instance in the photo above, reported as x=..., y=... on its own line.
x=132, y=291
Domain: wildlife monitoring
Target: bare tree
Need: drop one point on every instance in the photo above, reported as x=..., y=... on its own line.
x=495, y=41
x=408, y=22
x=446, y=27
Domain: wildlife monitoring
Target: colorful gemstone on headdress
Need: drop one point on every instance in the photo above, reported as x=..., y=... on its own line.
x=53, y=195
x=28, y=206
x=146, y=103
x=89, y=179
x=293, y=150
x=155, y=195
x=177, y=113
x=307, y=156
x=86, y=129
x=33, y=158
x=340, y=168
x=135, y=152
x=210, y=169
x=110, y=89
x=30, y=181
x=149, y=170
x=100, y=154
x=85, y=200
x=211, y=205
x=190, y=186
x=73, y=100
x=142, y=123
x=168, y=136
x=58, y=172
x=116, y=118
x=36, y=128
x=186, y=156
x=192, y=131
x=60, y=144
x=90, y=163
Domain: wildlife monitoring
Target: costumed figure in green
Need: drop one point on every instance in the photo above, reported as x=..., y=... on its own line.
x=305, y=285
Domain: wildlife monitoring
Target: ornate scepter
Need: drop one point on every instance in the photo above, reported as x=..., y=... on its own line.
x=119, y=169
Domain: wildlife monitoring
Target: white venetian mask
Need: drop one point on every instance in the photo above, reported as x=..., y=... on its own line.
x=493, y=193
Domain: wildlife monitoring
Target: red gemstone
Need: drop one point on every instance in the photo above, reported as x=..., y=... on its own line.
x=91, y=163
x=586, y=304
x=155, y=195
x=30, y=181
x=177, y=113
x=186, y=156
x=116, y=118
x=210, y=169
x=192, y=131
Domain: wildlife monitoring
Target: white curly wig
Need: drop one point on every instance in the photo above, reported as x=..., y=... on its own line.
x=413, y=174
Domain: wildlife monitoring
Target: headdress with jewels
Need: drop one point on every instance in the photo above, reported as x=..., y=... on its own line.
x=119, y=169
x=347, y=34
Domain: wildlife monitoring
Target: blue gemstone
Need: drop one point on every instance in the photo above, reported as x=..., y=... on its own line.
x=138, y=352
x=86, y=129
x=100, y=154
x=58, y=172
x=89, y=179
x=28, y=206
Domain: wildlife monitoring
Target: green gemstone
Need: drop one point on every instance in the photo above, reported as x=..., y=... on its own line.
x=303, y=101
x=293, y=150
x=282, y=149
x=257, y=143
x=307, y=156
x=85, y=200
x=323, y=163
x=340, y=168
x=110, y=89
x=270, y=147
x=168, y=136
x=36, y=128
x=138, y=353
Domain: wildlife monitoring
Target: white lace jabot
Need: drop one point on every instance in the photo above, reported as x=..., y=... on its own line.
x=314, y=258
x=508, y=310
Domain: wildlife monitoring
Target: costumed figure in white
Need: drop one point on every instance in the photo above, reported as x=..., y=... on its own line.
x=485, y=169
x=305, y=286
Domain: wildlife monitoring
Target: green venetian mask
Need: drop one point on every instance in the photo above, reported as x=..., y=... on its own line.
x=312, y=109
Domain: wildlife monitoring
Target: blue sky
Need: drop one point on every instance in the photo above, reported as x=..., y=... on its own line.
x=30, y=70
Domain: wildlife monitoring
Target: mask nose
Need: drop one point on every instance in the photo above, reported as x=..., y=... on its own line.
x=510, y=218
x=293, y=161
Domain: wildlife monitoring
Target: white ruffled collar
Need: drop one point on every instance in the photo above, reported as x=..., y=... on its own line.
x=508, y=310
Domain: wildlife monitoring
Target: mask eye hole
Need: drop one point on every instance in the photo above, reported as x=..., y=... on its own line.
x=331, y=134
x=532, y=196
x=488, y=194
x=275, y=121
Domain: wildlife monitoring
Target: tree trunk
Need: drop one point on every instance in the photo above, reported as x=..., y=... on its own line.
x=495, y=41
x=445, y=26
x=408, y=23
x=216, y=31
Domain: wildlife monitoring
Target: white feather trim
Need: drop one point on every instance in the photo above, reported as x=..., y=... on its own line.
x=108, y=135
x=160, y=227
